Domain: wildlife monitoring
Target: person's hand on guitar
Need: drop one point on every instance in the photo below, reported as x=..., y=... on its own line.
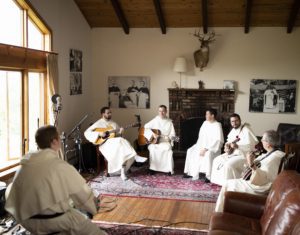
x=121, y=130
x=250, y=157
x=230, y=147
x=103, y=134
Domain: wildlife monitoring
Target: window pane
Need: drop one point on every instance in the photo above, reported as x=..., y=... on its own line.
x=35, y=37
x=10, y=115
x=10, y=23
x=35, y=106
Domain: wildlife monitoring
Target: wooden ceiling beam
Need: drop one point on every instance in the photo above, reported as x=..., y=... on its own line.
x=247, y=15
x=204, y=16
x=160, y=16
x=293, y=15
x=117, y=7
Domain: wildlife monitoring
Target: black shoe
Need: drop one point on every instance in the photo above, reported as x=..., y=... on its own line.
x=151, y=172
x=206, y=180
x=186, y=176
x=169, y=174
x=202, y=176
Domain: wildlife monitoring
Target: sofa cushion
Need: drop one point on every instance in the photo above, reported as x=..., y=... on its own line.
x=232, y=222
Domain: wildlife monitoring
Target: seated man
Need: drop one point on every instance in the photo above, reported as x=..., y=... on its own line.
x=262, y=177
x=161, y=154
x=117, y=151
x=230, y=165
x=200, y=156
x=40, y=194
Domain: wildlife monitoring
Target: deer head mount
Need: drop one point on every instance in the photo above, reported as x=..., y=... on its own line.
x=201, y=56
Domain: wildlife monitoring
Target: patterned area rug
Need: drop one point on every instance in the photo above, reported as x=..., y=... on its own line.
x=122, y=229
x=160, y=185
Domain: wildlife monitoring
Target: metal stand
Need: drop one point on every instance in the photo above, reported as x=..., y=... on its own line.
x=76, y=136
x=78, y=142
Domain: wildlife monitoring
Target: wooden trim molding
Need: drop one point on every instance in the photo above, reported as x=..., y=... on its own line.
x=22, y=58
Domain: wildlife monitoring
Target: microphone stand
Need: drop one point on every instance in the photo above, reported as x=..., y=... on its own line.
x=78, y=141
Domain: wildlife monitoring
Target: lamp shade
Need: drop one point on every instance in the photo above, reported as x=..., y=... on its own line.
x=180, y=65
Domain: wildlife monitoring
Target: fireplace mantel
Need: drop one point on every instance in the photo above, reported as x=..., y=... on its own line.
x=190, y=104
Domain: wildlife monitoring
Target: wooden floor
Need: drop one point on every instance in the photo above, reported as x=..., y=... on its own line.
x=155, y=212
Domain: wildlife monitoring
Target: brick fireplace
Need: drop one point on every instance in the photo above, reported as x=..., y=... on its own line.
x=187, y=110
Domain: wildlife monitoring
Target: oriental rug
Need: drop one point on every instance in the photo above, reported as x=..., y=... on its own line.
x=160, y=185
x=122, y=229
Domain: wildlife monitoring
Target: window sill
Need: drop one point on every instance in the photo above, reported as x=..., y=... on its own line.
x=8, y=169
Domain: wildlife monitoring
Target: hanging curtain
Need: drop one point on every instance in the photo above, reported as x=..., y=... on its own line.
x=52, y=73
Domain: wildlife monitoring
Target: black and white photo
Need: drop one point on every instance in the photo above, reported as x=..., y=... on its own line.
x=272, y=96
x=75, y=83
x=129, y=92
x=75, y=60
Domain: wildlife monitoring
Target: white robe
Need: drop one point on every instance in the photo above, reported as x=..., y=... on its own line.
x=117, y=151
x=260, y=181
x=210, y=138
x=44, y=185
x=231, y=166
x=143, y=97
x=161, y=154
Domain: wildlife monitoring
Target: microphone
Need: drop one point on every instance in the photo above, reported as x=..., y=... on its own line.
x=56, y=100
x=58, y=103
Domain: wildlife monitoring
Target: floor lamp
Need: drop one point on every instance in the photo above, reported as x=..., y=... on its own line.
x=180, y=67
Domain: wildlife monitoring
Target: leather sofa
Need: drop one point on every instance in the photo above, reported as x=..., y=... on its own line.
x=248, y=214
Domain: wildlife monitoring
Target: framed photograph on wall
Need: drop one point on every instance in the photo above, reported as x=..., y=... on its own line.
x=75, y=84
x=75, y=60
x=272, y=96
x=129, y=92
x=75, y=72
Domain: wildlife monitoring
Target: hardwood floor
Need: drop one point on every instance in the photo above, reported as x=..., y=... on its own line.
x=155, y=212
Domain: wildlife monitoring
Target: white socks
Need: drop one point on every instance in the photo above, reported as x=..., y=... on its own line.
x=123, y=174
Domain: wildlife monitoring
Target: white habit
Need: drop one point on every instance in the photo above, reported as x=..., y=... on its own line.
x=45, y=185
x=210, y=138
x=143, y=98
x=117, y=151
x=231, y=166
x=161, y=154
x=260, y=181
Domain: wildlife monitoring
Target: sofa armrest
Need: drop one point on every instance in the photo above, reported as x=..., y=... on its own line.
x=244, y=204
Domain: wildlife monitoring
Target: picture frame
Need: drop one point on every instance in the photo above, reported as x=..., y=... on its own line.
x=129, y=92
x=229, y=84
x=75, y=61
x=273, y=96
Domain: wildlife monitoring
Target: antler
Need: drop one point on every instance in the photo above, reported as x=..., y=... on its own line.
x=205, y=37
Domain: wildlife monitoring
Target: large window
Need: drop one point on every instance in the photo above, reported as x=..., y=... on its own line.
x=23, y=90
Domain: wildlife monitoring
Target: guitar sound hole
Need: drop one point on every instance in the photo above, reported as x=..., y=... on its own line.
x=106, y=134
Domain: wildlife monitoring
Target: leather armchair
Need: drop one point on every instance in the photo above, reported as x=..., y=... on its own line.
x=275, y=214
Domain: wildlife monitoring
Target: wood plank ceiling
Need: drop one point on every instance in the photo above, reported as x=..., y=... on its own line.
x=165, y=14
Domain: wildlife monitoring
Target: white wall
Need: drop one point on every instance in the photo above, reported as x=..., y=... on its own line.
x=69, y=30
x=267, y=53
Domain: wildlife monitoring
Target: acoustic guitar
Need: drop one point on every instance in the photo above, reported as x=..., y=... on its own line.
x=110, y=132
x=230, y=150
x=142, y=140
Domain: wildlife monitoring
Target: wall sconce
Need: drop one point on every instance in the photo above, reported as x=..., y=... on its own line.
x=180, y=66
